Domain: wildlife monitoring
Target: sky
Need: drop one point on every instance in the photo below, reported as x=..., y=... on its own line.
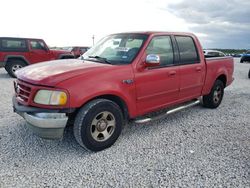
x=218, y=24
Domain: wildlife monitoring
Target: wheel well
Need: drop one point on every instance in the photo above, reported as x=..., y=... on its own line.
x=16, y=58
x=120, y=102
x=223, y=78
x=113, y=98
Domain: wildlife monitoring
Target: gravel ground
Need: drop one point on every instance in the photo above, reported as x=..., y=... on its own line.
x=197, y=147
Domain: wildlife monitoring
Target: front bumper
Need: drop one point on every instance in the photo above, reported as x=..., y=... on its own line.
x=46, y=125
x=49, y=125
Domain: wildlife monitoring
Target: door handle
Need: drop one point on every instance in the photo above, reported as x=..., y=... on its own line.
x=171, y=73
x=198, y=69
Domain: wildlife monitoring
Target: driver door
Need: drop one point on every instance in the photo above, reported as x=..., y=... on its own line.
x=39, y=51
x=158, y=86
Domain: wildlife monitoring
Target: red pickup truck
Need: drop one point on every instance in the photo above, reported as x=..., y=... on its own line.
x=123, y=77
x=79, y=50
x=16, y=53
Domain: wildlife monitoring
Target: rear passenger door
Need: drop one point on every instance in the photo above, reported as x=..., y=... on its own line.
x=192, y=70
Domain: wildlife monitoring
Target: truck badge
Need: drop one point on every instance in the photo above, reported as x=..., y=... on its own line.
x=129, y=81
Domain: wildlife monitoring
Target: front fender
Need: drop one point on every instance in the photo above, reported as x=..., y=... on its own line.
x=109, y=81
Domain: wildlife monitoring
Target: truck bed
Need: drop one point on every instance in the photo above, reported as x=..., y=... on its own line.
x=216, y=66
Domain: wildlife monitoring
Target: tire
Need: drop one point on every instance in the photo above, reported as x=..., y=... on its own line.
x=12, y=66
x=241, y=61
x=98, y=124
x=214, y=98
x=249, y=73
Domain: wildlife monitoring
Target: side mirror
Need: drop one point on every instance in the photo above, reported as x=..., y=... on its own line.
x=152, y=60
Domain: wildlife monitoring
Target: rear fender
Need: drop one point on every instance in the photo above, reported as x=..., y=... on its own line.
x=9, y=57
x=211, y=78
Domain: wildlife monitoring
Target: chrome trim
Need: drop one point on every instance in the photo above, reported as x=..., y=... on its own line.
x=153, y=59
x=148, y=119
x=46, y=120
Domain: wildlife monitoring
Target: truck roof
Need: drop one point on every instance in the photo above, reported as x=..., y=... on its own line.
x=157, y=32
x=20, y=38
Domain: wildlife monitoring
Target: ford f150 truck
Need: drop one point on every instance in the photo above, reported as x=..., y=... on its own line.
x=123, y=77
x=16, y=53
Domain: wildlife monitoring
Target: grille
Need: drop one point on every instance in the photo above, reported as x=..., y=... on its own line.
x=23, y=92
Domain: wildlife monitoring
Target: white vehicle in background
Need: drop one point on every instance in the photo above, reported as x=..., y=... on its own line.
x=213, y=53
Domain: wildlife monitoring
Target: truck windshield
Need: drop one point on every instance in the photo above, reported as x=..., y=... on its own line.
x=116, y=49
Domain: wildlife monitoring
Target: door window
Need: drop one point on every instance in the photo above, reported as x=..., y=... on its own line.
x=162, y=46
x=37, y=45
x=187, y=49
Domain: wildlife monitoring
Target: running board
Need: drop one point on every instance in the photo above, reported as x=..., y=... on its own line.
x=179, y=108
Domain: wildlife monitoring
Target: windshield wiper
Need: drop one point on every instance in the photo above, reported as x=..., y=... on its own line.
x=102, y=59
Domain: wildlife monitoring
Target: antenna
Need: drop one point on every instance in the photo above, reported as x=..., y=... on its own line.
x=93, y=38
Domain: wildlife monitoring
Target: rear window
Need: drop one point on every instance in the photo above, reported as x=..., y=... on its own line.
x=215, y=54
x=187, y=49
x=13, y=45
x=84, y=49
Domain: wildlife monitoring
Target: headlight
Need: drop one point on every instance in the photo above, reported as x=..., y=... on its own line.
x=48, y=97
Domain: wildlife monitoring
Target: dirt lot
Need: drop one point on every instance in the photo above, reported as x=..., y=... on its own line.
x=197, y=147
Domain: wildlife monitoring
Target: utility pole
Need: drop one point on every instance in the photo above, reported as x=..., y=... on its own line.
x=93, y=38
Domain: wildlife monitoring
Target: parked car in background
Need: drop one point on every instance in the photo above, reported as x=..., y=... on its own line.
x=79, y=50
x=245, y=57
x=237, y=55
x=121, y=78
x=16, y=53
x=213, y=53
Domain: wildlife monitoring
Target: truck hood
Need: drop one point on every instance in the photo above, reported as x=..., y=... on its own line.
x=51, y=73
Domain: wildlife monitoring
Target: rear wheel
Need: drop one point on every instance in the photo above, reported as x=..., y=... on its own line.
x=214, y=98
x=241, y=61
x=98, y=124
x=12, y=66
x=249, y=74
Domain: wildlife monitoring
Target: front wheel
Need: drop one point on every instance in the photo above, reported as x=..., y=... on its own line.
x=98, y=124
x=214, y=98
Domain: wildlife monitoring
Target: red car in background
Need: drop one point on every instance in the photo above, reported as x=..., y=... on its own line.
x=77, y=51
x=16, y=53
